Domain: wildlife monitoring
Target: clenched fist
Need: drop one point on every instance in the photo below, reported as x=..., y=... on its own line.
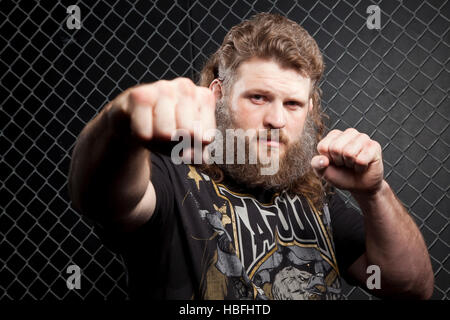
x=350, y=160
x=152, y=113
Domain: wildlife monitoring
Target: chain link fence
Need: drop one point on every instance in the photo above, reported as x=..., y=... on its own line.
x=391, y=83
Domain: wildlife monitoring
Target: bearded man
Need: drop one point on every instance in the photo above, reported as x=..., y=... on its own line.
x=223, y=229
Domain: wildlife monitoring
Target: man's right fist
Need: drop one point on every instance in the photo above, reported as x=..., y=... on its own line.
x=153, y=112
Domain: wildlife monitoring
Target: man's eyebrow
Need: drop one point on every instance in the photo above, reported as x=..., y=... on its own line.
x=259, y=90
x=268, y=92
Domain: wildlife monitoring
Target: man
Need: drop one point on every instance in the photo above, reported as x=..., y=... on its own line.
x=224, y=230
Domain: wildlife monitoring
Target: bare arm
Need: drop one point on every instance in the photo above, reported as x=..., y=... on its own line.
x=352, y=161
x=395, y=244
x=109, y=179
x=110, y=173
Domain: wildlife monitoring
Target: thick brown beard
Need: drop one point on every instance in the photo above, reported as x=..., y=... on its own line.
x=294, y=164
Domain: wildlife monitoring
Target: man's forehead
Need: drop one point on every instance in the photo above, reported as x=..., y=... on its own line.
x=261, y=74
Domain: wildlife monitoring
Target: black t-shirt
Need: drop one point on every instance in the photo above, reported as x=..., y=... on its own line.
x=211, y=241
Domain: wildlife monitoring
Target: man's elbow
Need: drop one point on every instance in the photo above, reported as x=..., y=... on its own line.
x=427, y=286
x=425, y=281
x=420, y=287
x=407, y=285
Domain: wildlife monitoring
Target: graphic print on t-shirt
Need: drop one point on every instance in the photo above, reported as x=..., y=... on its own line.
x=276, y=250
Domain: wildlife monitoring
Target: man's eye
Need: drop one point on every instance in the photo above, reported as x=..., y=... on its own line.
x=293, y=104
x=257, y=97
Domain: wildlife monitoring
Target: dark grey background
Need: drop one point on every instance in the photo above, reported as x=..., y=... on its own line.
x=391, y=83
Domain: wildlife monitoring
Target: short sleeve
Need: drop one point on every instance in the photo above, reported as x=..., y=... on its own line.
x=348, y=233
x=160, y=179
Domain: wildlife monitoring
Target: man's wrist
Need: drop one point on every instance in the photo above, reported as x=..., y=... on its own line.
x=368, y=197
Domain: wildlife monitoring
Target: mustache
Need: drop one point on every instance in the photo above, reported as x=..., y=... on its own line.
x=272, y=134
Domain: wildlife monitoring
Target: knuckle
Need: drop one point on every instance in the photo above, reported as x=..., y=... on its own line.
x=370, y=144
x=348, y=152
x=184, y=81
x=334, y=132
x=165, y=88
x=185, y=86
x=161, y=84
x=364, y=136
x=133, y=97
x=335, y=150
x=119, y=103
x=376, y=145
x=321, y=146
x=136, y=94
x=351, y=130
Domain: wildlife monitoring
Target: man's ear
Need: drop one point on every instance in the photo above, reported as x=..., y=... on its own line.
x=216, y=88
x=310, y=105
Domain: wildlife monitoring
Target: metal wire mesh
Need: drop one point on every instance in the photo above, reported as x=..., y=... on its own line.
x=391, y=83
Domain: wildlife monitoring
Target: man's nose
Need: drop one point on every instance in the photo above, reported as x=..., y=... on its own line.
x=274, y=116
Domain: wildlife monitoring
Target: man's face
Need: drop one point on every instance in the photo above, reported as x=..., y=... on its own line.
x=266, y=96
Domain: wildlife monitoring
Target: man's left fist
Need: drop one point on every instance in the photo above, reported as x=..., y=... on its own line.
x=350, y=160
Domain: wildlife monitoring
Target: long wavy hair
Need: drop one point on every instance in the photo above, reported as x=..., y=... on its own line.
x=274, y=37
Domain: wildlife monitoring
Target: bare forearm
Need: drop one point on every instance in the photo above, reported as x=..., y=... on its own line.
x=394, y=243
x=109, y=178
x=352, y=161
x=109, y=172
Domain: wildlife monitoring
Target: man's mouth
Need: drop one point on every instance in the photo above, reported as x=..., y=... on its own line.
x=271, y=143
